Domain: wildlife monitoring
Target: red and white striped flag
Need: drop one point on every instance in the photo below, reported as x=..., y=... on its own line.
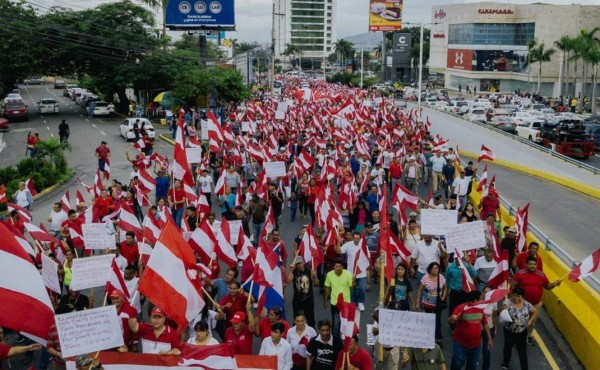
x=39, y=234
x=128, y=222
x=140, y=144
x=468, y=284
x=402, y=197
x=65, y=202
x=349, y=320
x=171, y=278
x=107, y=169
x=220, y=185
x=493, y=296
x=500, y=274
x=521, y=222
x=245, y=247
x=145, y=251
x=309, y=248
x=223, y=248
x=25, y=215
x=146, y=182
x=3, y=198
x=483, y=179
x=116, y=281
x=31, y=187
x=203, y=241
x=586, y=267
x=361, y=259
x=21, y=285
x=485, y=154
x=218, y=356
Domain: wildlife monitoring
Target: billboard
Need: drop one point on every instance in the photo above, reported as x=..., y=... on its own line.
x=385, y=15
x=243, y=63
x=460, y=59
x=201, y=14
x=402, y=43
x=500, y=60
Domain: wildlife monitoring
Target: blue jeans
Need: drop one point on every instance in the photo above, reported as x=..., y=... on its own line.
x=257, y=228
x=101, y=164
x=461, y=354
x=357, y=294
x=485, y=350
x=177, y=216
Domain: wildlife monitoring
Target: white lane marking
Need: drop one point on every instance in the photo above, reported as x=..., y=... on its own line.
x=45, y=122
x=93, y=124
x=87, y=120
x=51, y=134
x=48, y=127
x=102, y=132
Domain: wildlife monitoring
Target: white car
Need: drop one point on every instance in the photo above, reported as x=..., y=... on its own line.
x=48, y=106
x=79, y=100
x=101, y=109
x=476, y=115
x=441, y=105
x=530, y=129
x=13, y=98
x=431, y=101
x=127, y=130
x=519, y=117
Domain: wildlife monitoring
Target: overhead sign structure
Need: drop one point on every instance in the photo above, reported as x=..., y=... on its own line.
x=385, y=15
x=201, y=15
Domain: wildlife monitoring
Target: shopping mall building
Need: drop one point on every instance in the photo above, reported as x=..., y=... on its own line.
x=484, y=45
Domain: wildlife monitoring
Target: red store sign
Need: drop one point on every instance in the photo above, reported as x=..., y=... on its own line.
x=460, y=59
x=439, y=14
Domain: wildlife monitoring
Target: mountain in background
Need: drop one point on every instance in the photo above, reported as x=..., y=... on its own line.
x=367, y=40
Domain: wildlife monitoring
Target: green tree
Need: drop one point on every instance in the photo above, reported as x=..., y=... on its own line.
x=344, y=49
x=539, y=54
x=292, y=51
x=565, y=45
x=53, y=151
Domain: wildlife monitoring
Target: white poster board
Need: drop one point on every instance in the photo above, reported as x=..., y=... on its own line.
x=50, y=274
x=463, y=237
x=249, y=126
x=96, y=236
x=194, y=155
x=204, y=130
x=307, y=94
x=438, y=221
x=234, y=231
x=370, y=335
x=274, y=169
x=279, y=115
x=89, y=331
x=406, y=329
x=90, y=272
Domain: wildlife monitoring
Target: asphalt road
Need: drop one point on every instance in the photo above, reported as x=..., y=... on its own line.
x=86, y=134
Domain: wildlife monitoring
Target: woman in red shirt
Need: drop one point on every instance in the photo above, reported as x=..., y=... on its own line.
x=104, y=204
x=302, y=191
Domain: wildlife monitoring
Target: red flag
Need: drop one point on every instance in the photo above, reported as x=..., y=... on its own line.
x=309, y=248
x=402, y=197
x=586, y=267
x=116, y=280
x=80, y=198
x=31, y=187
x=266, y=266
x=128, y=222
x=493, y=296
x=218, y=356
x=203, y=241
x=3, y=194
x=500, y=274
x=39, y=234
x=361, y=259
x=65, y=202
x=348, y=318
x=522, y=220
x=223, y=248
x=171, y=278
x=23, y=213
x=485, y=154
x=468, y=284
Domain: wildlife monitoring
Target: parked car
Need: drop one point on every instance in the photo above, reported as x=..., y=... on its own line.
x=13, y=97
x=68, y=89
x=74, y=93
x=80, y=100
x=503, y=123
x=441, y=105
x=34, y=81
x=101, y=109
x=530, y=129
x=593, y=133
x=59, y=84
x=16, y=110
x=47, y=105
x=476, y=115
x=457, y=106
x=126, y=128
x=431, y=101
x=3, y=125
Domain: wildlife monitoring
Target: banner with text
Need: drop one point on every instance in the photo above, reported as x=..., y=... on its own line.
x=466, y=236
x=274, y=169
x=385, y=15
x=406, y=329
x=437, y=221
x=91, y=272
x=97, y=236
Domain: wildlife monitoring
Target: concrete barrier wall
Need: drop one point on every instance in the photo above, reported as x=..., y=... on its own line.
x=574, y=307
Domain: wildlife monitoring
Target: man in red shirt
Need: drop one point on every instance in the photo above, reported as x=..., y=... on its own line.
x=533, y=282
x=7, y=351
x=177, y=201
x=240, y=334
x=232, y=303
x=129, y=249
x=468, y=321
x=532, y=250
x=156, y=337
x=72, y=222
x=274, y=315
x=359, y=358
x=490, y=204
x=102, y=153
x=126, y=313
x=395, y=172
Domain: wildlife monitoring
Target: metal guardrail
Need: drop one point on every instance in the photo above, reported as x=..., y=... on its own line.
x=592, y=169
x=549, y=244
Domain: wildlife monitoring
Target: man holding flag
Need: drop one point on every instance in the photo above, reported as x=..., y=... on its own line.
x=337, y=281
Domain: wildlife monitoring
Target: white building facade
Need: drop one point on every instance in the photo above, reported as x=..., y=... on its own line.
x=484, y=45
x=309, y=24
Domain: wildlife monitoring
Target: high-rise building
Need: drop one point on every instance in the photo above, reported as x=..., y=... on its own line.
x=308, y=24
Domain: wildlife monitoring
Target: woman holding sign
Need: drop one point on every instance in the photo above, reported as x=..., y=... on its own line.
x=432, y=294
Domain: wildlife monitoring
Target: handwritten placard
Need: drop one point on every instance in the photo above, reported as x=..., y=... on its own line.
x=204, y=130
x=89, y=331
x=50, y=274
x=234, y=231
x=274, y=169
x=470, y=235
x=406, y=329
x=96, y=236
x=437, y=221
x=194, y=155
x=248, y=126
x=370, y=335
x=91, y=272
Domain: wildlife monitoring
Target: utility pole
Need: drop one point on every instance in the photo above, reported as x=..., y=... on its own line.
x=272, y=79
x=383, y=58
x=420, y=69
x=362, y=67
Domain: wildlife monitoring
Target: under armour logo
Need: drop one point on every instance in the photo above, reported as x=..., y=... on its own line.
x=459, y=57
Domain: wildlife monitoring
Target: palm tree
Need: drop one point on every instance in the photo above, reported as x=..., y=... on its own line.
x=291, y=51
x=344, y=49
x=539, y=54
x=588, y=40
x=565, y=45
x=530, y=46
x=53, y=151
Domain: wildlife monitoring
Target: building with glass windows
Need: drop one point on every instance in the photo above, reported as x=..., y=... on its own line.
x=484, y=45
x=309, y=24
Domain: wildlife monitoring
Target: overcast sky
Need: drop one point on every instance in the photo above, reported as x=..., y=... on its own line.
x=253, y=17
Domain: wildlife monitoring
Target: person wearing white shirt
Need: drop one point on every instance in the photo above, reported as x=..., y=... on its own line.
x=351, y=250
x=120, y=260
x=460, y=187
x=298, y=336
x=425, y=252
x=205, y=182
x=438, y=163
x=321, y=158
x=202, y=335
x=377, y=174
x=131, y=282
x=56, y=218
x=275, y=345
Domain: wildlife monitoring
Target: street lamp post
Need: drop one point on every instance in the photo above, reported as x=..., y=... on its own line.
x=362, y=67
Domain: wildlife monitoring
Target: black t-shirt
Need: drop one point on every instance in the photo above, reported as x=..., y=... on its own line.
x=80, y=303
x=303, y=288
x=324, y=355
x=63, y=128
x=276, y=198
x=509, y=245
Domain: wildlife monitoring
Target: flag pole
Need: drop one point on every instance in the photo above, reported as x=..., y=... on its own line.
x=383, y=257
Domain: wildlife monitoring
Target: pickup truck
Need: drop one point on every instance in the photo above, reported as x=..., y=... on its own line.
x=530, y=129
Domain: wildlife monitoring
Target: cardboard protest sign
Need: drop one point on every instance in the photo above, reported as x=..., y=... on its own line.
x=90, y=272
x=50, y=274
x=274, y=169
x=406, y=329
x=194, y=155
x=463, y=237
x=438, y=221
x=88, y=331
x=97, y=236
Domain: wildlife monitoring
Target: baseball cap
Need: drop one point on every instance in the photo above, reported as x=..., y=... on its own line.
x=512, y=229
x=368, y=224
x=412, y=214
x=115, y=293
x=299, y=259
x=156, y=311
x=238, y=318
x=83, y=360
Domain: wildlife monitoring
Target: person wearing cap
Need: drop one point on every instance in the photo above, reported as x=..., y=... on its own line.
x=468, y=321
x=533, y=282
x=357, y=293
x=126, y=313
x=241, y=333
x=156, y=337
x=509, y=244
x=460, y=187
x=275, y=345
x=412, y=174
x=303, y=280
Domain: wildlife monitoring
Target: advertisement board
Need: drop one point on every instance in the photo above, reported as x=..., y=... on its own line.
x=385, y=15
x=500, y=60
x=460, y=59
x=402, y=43
x=201, y=14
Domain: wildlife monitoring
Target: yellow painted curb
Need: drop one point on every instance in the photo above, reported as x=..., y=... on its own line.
x=545, y=351
x=558, y=180
x=166, y=139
